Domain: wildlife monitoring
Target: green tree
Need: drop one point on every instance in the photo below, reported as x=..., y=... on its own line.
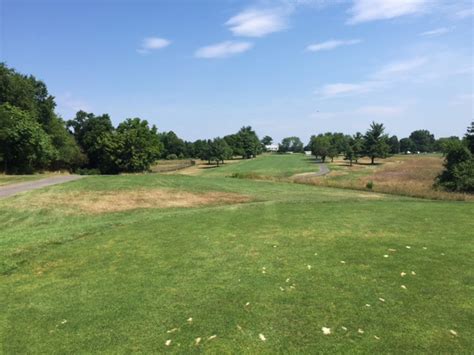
x=291, y=144
x=90, y=132
x=375, y=142
x=458, y=167
x=407, y=145
x=469, y=137
x=249, y=143
x=220, y=150
x=267, y=140
x=172, y=144
x=358, y=146
x=394, y=145
x=423, y=140
x=320, y=146
x=138, y=145
x=24, y=145
x=443, y=143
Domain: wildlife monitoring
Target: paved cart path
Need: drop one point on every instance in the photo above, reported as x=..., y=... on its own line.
x=9, y=190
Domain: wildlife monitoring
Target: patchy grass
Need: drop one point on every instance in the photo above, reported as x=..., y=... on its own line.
x=400, y=175
x=268, y=276
x=93, y=202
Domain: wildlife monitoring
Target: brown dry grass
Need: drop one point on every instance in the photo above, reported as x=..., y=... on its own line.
x=401, y=175
x=96, y=202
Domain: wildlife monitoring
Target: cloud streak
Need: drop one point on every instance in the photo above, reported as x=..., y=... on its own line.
x=386, y=75
x=258, y=23
x=331, y=44
x=152, y=43
x=435, y=32
x=372, y=10
x=223, y=49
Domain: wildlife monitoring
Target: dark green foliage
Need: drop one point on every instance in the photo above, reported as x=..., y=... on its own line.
x=375, y=142
x=407, y=145
x=31, y=96
x=138, y=145
x=353, y=148
x=219, y=150
x=267, y=140
x=93, y=134
x=442, y=144
x=291, y=144
x=394, y=145
x=25, y=146
x=458, y=173
x=469, y=137
x=423, y=141
x=172, y=144
x=320, y=146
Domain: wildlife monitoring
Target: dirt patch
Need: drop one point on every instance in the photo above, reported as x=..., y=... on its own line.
x=95, y=202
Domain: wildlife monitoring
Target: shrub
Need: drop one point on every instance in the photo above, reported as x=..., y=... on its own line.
x=171, y=157
x=370, y=185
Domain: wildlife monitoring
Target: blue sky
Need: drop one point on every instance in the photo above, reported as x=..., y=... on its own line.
x=286, y=67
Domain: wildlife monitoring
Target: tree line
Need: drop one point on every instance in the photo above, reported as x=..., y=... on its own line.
x=34, y=138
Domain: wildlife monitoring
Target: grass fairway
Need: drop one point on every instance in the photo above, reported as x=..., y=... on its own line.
x=271, y=166
x=280, y=265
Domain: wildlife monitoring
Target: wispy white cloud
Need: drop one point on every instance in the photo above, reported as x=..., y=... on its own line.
x=223, y=49
x=68, y=104
x=435, y=32
x=399, y=68
x=380, y=111
x=372, y=10
x=331, y=44
x=258, y=22
x=383, y=77
x=464, y=13
x=153, y=43
x=345, y=89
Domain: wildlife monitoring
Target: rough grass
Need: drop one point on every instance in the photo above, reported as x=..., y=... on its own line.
x=294, y=260
x=400, y=175
x=93, y=202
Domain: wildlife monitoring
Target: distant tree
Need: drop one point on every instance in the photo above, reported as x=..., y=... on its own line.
x=90, y=132
x=407, y=145
x=267, y=140
x=443, y=143
x=233, y=141
x=358, y=146
x=219, y=150
x=291, y=144
x=320, y=146
x=375, y=142
x=248, y=141
x=394, y=145
x=138, y=145
x=338, y=143
x=172, y=144
x=469, y=137
x=24, y=145
x=423, y=140
x=353, y=148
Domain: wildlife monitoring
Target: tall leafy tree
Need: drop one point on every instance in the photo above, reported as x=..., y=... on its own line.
x=138, y=145
x=267, y=140
x=375, y=142
x=24, y=145
x=91, y=132
x=31, y=96
x=407, y=145
x=423, y=140
x=469, y=137
x=249, y=143
x=291, y=144
x=320, y=146
x=394, y=145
